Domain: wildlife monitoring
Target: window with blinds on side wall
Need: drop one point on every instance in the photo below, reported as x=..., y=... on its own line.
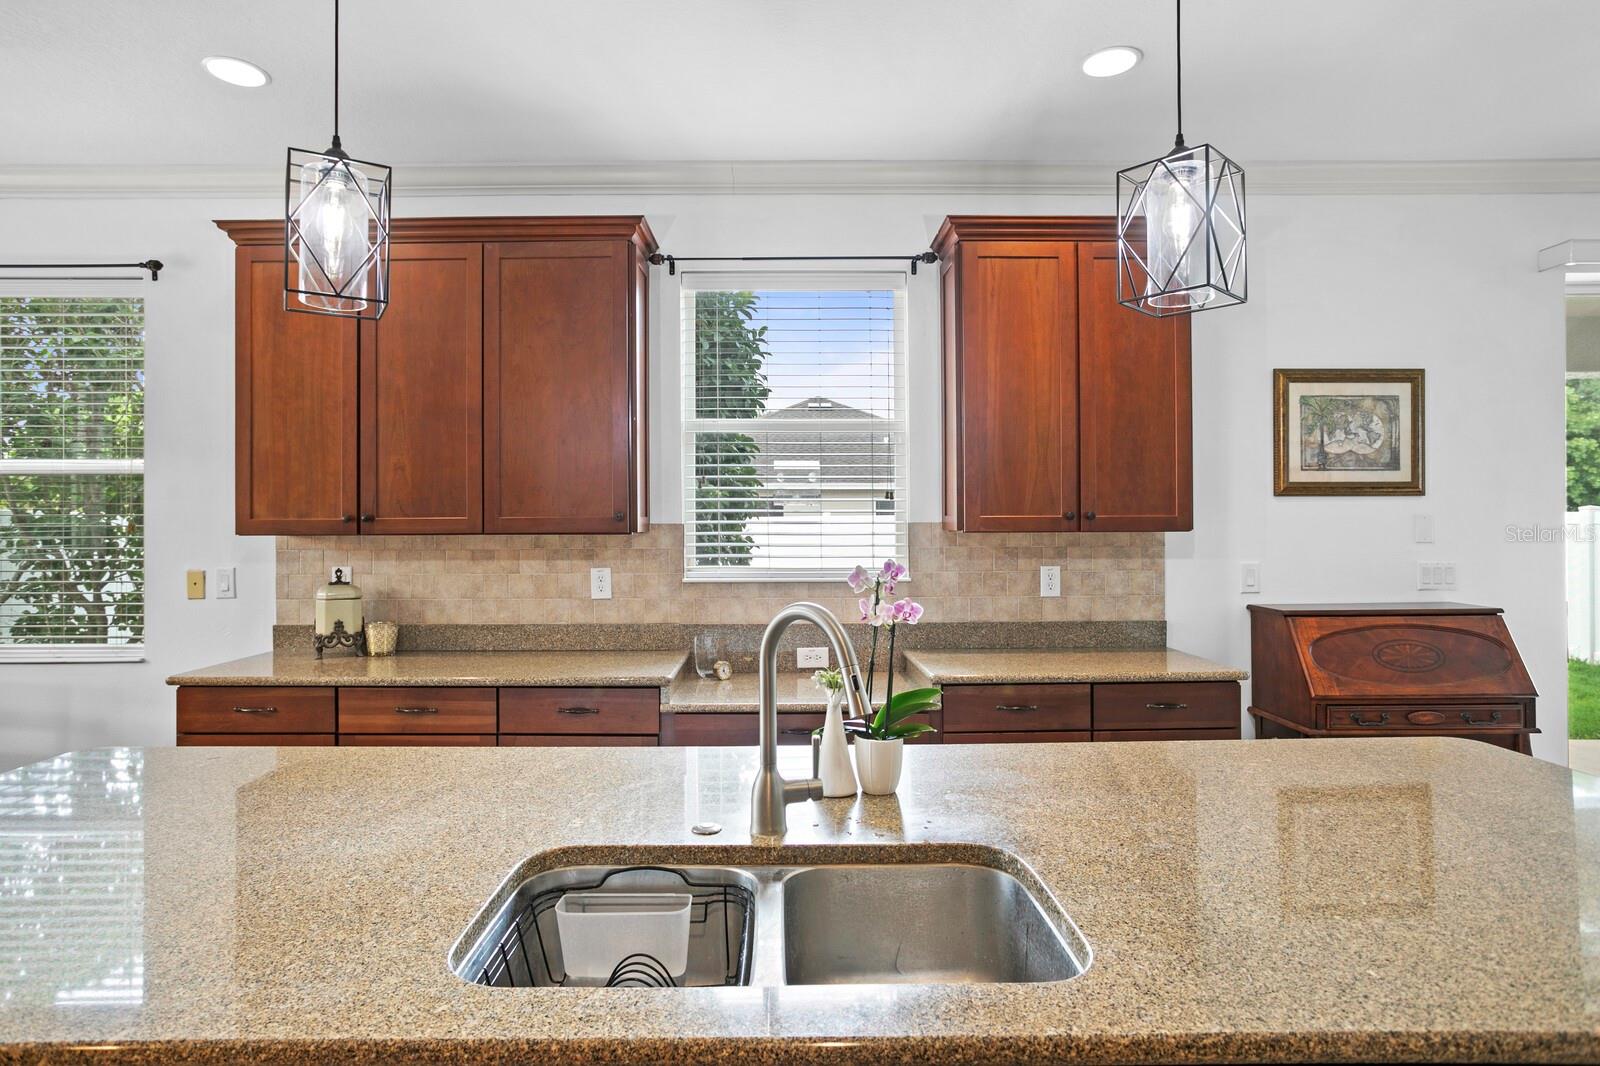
x=794, y=424
x=71, y=478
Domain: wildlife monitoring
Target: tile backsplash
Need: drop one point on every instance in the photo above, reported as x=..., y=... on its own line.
x=958, y=577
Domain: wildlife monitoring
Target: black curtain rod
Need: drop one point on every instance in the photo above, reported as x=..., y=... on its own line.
x=153, y=265
x=672, y=261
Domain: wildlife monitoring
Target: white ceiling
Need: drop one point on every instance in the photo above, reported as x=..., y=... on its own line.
x=629, y=81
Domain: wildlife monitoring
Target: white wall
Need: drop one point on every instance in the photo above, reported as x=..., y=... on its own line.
x=1442, y=282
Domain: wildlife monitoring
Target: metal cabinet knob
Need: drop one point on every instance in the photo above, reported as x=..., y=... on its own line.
x=1070, y=515
x=347, y=518
x=1089, y=515
x=369, y=518
x=618, y=516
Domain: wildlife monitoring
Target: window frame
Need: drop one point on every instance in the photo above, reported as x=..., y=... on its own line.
x=17, y=654
x=758, y=280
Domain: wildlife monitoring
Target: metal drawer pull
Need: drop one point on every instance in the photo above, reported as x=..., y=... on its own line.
x=1493, y=719
x=577, y=710
x=1166, y=706
x=416, y=710
x=1019, y=708
x=255, y=710
x=797, y=731
x=1355, y=717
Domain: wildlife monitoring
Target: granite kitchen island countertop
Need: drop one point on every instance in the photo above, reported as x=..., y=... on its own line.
x=1384, y=899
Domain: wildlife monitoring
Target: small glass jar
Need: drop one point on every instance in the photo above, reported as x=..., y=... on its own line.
x=707, y=653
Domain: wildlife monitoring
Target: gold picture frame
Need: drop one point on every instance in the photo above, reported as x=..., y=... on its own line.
x=1347, y=432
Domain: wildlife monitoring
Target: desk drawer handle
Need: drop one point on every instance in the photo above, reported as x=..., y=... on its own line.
x=1019, y=708
x=416, y=710
x=1356, y=719
x=1166, y=706
x=1493, y=719
x=577, y=710
x=255, y=710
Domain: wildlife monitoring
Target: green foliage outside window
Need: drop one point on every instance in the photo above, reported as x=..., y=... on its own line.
x=71, y=543
x=1583, y=442
x=728, y=357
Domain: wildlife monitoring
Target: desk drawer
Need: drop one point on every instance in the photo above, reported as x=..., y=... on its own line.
x=254, y=709
x=1164, y=705
x=1449, y=718
x=1015, y=708
x=615, y=711
x=416, y=710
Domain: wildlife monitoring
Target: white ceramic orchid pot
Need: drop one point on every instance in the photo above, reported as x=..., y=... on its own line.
x=833, y=761
x=878, y=764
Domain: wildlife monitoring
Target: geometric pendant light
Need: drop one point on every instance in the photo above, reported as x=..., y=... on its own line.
x=335, y=226
x=1180, y=227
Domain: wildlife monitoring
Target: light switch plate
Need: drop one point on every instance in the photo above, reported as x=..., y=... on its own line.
x=811, y=658
x=599, y=582
x=195, y=584
x=1422, y=528
x=1249, y=579
x=1433, y=576
x=226, y=589
x=1049, y=580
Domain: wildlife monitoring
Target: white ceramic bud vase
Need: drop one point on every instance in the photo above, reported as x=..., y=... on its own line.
x=878, y=762
x=833, y=761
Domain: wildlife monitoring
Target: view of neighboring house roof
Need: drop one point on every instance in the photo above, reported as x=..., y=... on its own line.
x=852, y=460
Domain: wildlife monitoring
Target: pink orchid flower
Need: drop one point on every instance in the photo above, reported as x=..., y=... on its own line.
x=882, y=615
x=892, y=573
x=907, y=611
x=859, y=580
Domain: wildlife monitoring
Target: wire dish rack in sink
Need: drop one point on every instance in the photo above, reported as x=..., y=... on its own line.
x=522, y=949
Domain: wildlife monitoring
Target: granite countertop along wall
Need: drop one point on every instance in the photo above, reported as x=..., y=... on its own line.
x=446, y=669
x=1050, y=665
x=1386, y=899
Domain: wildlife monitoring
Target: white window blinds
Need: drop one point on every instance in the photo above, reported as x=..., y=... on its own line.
x=793, y=424
x=71, y=478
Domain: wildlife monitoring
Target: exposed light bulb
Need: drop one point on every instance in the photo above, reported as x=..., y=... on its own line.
x=1174, y=214
x=334, y=250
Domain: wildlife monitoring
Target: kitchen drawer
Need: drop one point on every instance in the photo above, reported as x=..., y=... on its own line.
x=617, y=711
x=417, y=740
x=416, y=710
x=1167, y=734
x=255, y=740
x=1425, y=717
x=1015, y=708
x=1050, y=737
x=708, y=730
x=1162, y=705
x=254, y=709
x=573, y=740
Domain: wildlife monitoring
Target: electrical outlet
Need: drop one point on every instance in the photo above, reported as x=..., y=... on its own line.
x=600, y=582
x=1049, y=580
x=343, y=572
x=226, y=589
x=1249, y=579
x=811, y=658
x=195, y=584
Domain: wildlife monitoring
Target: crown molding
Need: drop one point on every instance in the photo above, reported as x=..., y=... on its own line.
x=690, y=179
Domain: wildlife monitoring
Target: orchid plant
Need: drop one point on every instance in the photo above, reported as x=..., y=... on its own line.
x=880, y=610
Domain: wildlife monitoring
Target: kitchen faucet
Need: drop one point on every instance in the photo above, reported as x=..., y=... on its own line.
x=772, y=794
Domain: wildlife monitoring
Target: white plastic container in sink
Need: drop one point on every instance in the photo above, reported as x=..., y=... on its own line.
x=600, y=929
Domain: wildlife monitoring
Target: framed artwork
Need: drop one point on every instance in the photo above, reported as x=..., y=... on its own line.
x=1347, y=433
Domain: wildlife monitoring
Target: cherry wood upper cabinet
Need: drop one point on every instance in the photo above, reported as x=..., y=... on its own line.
x=1134, y=432
x=502, y=391
x=559, y=387
x=1016, y=407
x=1063, y=410
x=422, y=395
x=295, y=408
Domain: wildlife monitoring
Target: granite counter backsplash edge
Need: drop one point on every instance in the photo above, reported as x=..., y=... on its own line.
x=742, y=641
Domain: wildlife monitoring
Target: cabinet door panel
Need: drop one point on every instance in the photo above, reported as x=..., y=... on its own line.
x=295, y=409
x=1134, y=407
x=422, y=395
x=558, y=417
x=1018, y=383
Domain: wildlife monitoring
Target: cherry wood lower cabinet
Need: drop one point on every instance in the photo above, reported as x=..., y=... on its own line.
x=446, y=716
x=1183, y=710
x=743, y=729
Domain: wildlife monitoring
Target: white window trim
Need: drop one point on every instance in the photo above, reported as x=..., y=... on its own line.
x=81, y=653
x=801, y=281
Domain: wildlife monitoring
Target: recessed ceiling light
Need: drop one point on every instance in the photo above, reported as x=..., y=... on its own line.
x=1109, y=62
x=235, y=71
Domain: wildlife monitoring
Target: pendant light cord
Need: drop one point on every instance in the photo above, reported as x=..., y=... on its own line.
x=1178, y=36
x=336, y=74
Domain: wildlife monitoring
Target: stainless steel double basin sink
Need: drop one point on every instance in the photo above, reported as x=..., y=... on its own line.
x=877, y=923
